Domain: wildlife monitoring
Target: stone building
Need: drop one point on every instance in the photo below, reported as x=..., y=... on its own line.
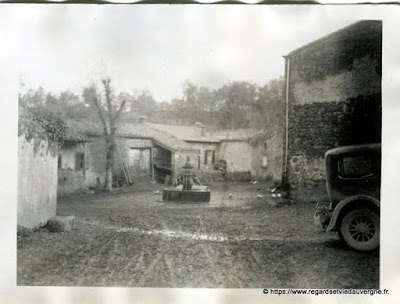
x=141, y=153
x=333, y=98
x=154, y=152
x=251, y=154
x=199, y=140
x=73, y=163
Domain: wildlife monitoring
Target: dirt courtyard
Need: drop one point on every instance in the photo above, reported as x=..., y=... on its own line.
x=131, y=238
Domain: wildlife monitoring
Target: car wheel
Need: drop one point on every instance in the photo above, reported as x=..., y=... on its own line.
x=341, y=236
x=360, y=229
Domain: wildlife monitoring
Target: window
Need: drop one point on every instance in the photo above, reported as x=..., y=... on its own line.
x=357, y=166
x=80, y=161
x=209, y=157
x=265, y=161
x=59, y=161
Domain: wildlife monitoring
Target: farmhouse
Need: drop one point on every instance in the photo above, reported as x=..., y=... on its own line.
x=158, y=152
x=140, y=152
x=333, y=98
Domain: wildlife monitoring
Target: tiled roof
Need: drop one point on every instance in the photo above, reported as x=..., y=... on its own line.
x=186, y=133
x=74, y=135
x=236, y=135
x=162, y=138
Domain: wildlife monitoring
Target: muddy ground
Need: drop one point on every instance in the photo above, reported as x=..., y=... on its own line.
x=132, y=238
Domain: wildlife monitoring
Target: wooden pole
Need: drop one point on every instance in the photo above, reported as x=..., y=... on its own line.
x=123, y=165
x=152, y=162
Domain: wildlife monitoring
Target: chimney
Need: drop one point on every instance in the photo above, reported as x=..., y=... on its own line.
x=203, y=129
x=201, y=126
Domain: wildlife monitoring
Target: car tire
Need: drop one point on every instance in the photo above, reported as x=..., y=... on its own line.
x=341, y=237
x=360, y=229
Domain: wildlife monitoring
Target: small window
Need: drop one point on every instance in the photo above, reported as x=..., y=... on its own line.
x=59, y=161
x=209, y=157
x=79, y=161
x=357, y=166
x=265, y=161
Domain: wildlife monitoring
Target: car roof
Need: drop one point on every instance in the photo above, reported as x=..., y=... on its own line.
x=353, y=148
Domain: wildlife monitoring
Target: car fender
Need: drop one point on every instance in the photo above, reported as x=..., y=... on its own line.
x=346, y=202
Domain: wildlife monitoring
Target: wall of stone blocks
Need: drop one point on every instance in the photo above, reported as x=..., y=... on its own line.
x=346, y=51
x=121, y=152
x=208, y=176
x=201, y=147
x=334, y=100
x=97, y=157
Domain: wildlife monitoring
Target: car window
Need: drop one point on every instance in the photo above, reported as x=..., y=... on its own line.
x=356, y=166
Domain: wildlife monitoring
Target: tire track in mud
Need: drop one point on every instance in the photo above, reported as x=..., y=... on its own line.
x=93, y=259
x=200, y=236
x=168, y=262
x=143, y=278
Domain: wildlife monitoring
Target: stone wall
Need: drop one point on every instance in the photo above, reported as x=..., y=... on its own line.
x=68, y=153
x=97, y=161
x=239, y=176
x=70, y=182
x=96, y=150
x=69, y=179
x=121, y=152
x=266, y=159
x=208, y=176
x=334, y=100
x=245, y=158
x=356, y=48
x=202, y=147
x=237, y=155
x=37, y=183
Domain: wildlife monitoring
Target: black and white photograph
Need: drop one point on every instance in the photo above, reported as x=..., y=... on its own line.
x=200, y=147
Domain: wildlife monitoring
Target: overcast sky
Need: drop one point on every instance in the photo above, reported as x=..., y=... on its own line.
x=157, y=48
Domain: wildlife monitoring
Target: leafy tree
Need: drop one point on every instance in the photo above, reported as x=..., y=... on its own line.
x=271, y=100
x=236, y=100
x=32, y=98
x=144, y=103
x=109, y=112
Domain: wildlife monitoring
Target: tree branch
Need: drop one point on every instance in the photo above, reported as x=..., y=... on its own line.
x=116, y=117
x=107, y=89
x=101, y=115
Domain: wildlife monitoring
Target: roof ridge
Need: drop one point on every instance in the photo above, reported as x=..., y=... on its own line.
x=327, y=36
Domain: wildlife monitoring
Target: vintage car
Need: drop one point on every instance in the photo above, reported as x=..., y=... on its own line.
x=353, y=180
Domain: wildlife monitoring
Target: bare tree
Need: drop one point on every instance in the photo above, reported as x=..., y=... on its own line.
x=109, y=115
